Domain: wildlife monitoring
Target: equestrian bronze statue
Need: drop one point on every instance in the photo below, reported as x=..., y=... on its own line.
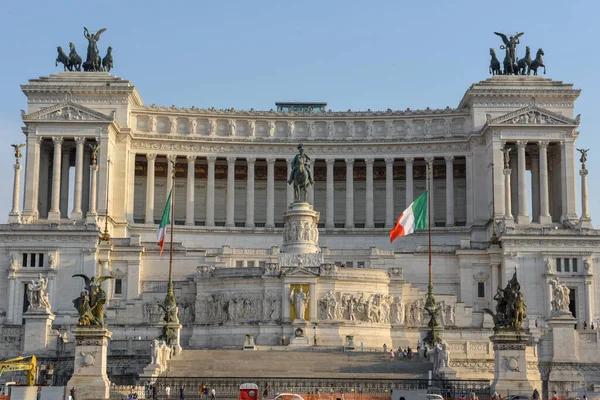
x=301, y=175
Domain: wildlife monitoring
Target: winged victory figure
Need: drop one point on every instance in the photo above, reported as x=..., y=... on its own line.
x=18, y=148
x=510, y=44
x=93, y=61
x=91, y=302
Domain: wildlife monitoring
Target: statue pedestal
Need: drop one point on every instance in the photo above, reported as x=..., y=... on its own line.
x=300, y=339
x=563, y=337
x=38, y=325
x=300, y=232
x=249, y=342
x=349, y=345
x=89, y=375
x=176, y=327
x=510, y=364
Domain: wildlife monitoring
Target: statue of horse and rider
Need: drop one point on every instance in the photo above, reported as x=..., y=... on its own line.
x=301, y=175
x=512, y=65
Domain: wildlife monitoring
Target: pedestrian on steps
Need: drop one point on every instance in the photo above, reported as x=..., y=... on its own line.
x=181, y=393
x=168, y=392
x=392, y=355
x=212, y=394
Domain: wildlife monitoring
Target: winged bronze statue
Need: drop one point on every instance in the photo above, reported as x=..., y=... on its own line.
x=91, y=302
x=18, y=148
x=510, y=44
x=583, y=158
x=93, y=61
x=94, y=148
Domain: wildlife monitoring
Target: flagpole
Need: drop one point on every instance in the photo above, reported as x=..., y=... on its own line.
x=170, y=290
x=170, y=305
x=432, y=337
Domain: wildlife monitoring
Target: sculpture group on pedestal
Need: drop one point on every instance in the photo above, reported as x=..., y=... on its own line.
x=301, y=175
x=93, y=62
x=510, y=306
x=37, y=295
x=560, y=298
x=439, y=356
x=91, y=302
x=512, y=64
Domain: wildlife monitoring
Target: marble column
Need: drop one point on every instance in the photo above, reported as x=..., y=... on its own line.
x=130, y=205
x=389, y=192
x=545, y=217
x=329, y=207
x=585, y=221
x=514, y=184
x=313, y=305
x=522, y=217
x=149, y=188
x=65, y=180
x=349, y=193
x=14, y=217
x=469, y=188
x=250, y=193
x=210, y=191
x=171, y=160
x=10, y=312
x=76, y=213
x=290, y=188
x=32, y=174
x=270, y=193
x=92, y=212
x=54, y=214
x=430, y=160
x=589, y=301
x=409, y=182
x=449, y=190
x=507, y=201
x=568, y=183
x=370, y=222
x=535, y=188
x=230, y=201
x=191, y=191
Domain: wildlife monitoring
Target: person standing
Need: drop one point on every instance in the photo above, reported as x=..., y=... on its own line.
x=392, y=355
x=154, y=394
x=212, y=394
x=168, y=392
x=554, y=395
x=536, y=395
x=384, y=348
x=181, y=393
x=266, y=391
x=72, y=393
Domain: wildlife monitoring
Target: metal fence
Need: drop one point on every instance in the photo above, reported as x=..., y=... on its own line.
x=349, y=389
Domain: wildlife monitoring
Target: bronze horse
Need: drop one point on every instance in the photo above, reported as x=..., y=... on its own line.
x=524, y=64
x=62, y=58
x=301, y=183
x=74, y=59
x=538, y=62
x=494, y=64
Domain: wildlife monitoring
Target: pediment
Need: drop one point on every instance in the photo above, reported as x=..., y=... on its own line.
x=68, y=111
x=532, y=115
x=301, y=271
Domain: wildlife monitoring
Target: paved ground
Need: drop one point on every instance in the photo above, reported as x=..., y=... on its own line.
x=304, y=363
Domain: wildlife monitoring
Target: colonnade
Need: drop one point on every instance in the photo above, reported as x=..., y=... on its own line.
x=250, y=162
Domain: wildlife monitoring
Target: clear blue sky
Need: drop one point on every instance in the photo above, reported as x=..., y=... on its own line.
x=248, y=54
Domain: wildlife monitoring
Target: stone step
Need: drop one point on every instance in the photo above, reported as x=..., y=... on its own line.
x=299, y=363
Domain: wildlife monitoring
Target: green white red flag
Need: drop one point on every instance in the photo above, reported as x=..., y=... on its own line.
x=414, y=217
x=161, y=234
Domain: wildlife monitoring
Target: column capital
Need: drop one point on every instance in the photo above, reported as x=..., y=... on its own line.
x=543, y=144
x=79, y=141
x=389, y=160
x=191, y=159
x=94, y=168
x=409, y=160
x=349, y=162
x=17, y=166
x=562, y=144
x=231, y=161
x=521, y=144
x=250, y=160
x=449, y=159
x=151, y=157
x=172, y=158
x=57, y=140
x=369, y=162
x=429, y=159
x=271, y=161
x=211, y=159
x=507, y=171
x=330, y=162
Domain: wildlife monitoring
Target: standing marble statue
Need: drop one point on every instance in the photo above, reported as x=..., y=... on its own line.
x=37, y=295
x=560, y=297
x=300, y=300
x=301, y=175
x=155, y=356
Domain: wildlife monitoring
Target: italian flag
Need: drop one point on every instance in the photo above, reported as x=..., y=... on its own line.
x=164, y=222
x=414, y=217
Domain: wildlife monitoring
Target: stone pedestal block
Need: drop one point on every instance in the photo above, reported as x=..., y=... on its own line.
x=23, y=392
x=249, y=342
x=349, y=345
x=38, y=325
x=510, y=364
x=89, y=375
x=300, y=233
x=563, y=338
x=299, y=339
x=176, y=326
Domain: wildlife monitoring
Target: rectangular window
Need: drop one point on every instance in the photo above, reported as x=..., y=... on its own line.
x=32, y=260
x=239, y=264
x=24, y=263
x=574, y=265
x=567, y=268
x=118, y=286
x=480, y=289
x=41, y=260
x=558, y=265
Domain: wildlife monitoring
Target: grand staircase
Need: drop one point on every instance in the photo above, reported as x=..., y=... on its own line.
x=306, y=363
